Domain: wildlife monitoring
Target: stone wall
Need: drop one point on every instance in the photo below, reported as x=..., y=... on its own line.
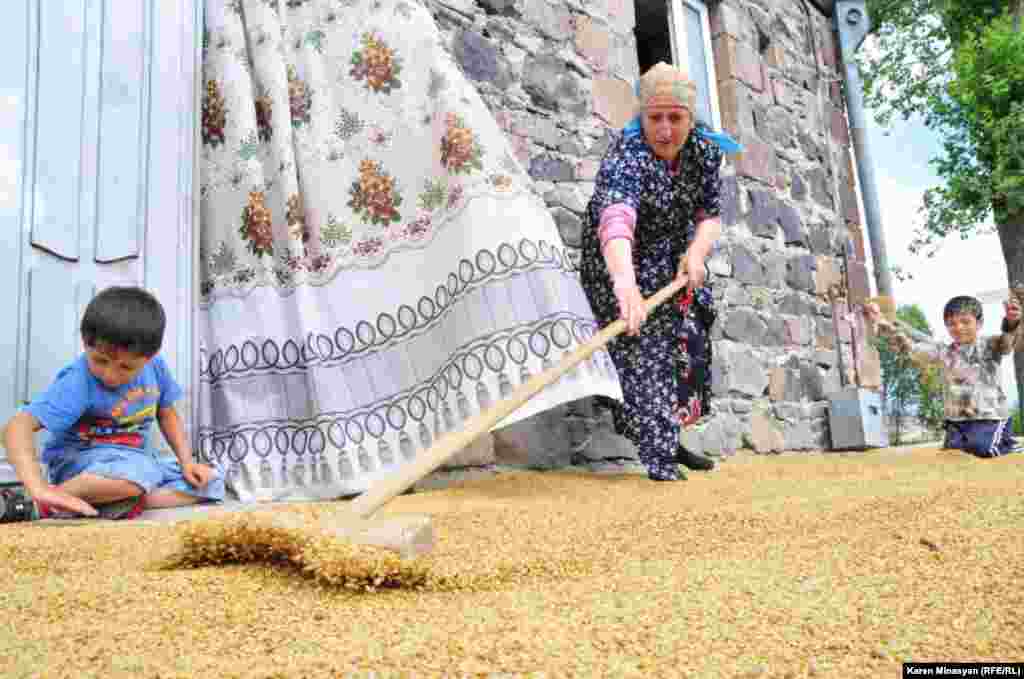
x=558, y=77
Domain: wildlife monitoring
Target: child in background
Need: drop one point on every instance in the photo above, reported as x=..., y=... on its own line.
x=975, y=406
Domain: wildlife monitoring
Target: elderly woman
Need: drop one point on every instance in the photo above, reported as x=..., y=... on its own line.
x=654, y=216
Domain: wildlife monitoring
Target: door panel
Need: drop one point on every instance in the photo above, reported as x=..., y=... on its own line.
x=125, y=137
x=97, y=126
x=57, y=133
x=52, y=318
x=14, y=96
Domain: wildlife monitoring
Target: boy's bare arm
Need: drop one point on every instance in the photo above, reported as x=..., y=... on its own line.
x=174, y=432
x=195, y=473
x=21, y=451
x=920, y=352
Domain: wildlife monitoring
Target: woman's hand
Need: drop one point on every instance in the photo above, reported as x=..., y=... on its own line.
x=692, y=261
x=618, y=255
x=691, y=267
x=691, y=264
x=631, y=307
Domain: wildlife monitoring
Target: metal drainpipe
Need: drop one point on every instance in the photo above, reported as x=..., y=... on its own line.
x=852, y=24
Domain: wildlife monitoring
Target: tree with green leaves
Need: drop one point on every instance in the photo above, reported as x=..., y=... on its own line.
x=959, y=65
x=906, y=387
x=931, y=412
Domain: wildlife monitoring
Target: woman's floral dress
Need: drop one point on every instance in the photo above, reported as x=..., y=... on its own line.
x=665, y=370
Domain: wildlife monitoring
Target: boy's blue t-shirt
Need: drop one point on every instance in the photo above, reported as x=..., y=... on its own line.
x=80, y=412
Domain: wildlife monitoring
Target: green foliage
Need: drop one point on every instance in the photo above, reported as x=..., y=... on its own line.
x=983, y=166
x=907, y=387
x=959, y=64
x=930, y=407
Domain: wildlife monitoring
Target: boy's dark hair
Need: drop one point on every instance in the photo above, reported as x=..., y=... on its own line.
x=963, y=304
x=128, y=318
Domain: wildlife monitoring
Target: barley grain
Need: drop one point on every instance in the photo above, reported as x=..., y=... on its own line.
x=787, y=566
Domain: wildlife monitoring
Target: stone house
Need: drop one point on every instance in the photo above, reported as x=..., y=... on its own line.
x=102, y=195
x=558, y=75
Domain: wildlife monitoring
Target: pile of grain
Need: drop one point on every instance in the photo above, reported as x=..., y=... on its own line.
x=292, y=538
x=295, y=537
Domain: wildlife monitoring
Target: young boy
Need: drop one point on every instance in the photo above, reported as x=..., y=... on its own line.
x=99, y=412
x=976, y=409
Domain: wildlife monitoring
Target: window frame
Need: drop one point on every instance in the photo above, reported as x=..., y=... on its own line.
x=680, y=54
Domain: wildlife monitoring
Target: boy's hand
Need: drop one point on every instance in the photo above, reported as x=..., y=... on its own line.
x=197, y=474
x=872, y=312
x=1013, y=313
x=58, y=499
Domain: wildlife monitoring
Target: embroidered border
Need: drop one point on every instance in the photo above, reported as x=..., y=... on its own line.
x=489, y=357
x=254, y=357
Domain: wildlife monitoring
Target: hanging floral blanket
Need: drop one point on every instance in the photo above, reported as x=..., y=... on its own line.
x=375, y=268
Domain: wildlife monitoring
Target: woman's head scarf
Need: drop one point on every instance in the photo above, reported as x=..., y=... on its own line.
x=664, y=84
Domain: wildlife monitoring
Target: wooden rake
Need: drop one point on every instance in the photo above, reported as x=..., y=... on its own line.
x=413, y=534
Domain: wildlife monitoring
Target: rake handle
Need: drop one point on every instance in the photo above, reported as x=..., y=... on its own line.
x=449, y=444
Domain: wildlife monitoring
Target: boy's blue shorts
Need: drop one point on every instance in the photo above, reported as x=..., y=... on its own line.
x=984, y=438
x=144, y=469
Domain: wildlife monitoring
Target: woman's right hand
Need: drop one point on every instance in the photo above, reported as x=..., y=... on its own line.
x=632, y=308
x=618, y=256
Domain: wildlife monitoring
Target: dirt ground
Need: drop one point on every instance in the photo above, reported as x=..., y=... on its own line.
x=785, y=566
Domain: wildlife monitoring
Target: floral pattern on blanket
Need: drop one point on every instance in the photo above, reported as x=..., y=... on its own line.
x=312, y=162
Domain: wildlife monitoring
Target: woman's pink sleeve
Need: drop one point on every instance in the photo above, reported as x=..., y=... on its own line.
x=617, y=221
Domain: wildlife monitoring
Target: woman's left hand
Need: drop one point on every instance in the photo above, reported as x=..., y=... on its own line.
x=691, y=264
x=708, y=230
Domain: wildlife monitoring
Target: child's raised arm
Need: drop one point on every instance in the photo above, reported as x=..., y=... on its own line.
x=1011, y=338
x=919, y=350
x=21, y=451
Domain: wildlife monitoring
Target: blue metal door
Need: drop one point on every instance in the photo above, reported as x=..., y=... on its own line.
x=97, y=128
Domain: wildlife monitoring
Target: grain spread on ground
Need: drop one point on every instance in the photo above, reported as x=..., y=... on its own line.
x=786, y=566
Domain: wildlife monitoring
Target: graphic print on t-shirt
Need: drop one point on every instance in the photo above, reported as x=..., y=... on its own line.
x=127, y=420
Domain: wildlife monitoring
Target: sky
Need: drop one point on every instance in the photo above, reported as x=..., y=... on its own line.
x=901, y=153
